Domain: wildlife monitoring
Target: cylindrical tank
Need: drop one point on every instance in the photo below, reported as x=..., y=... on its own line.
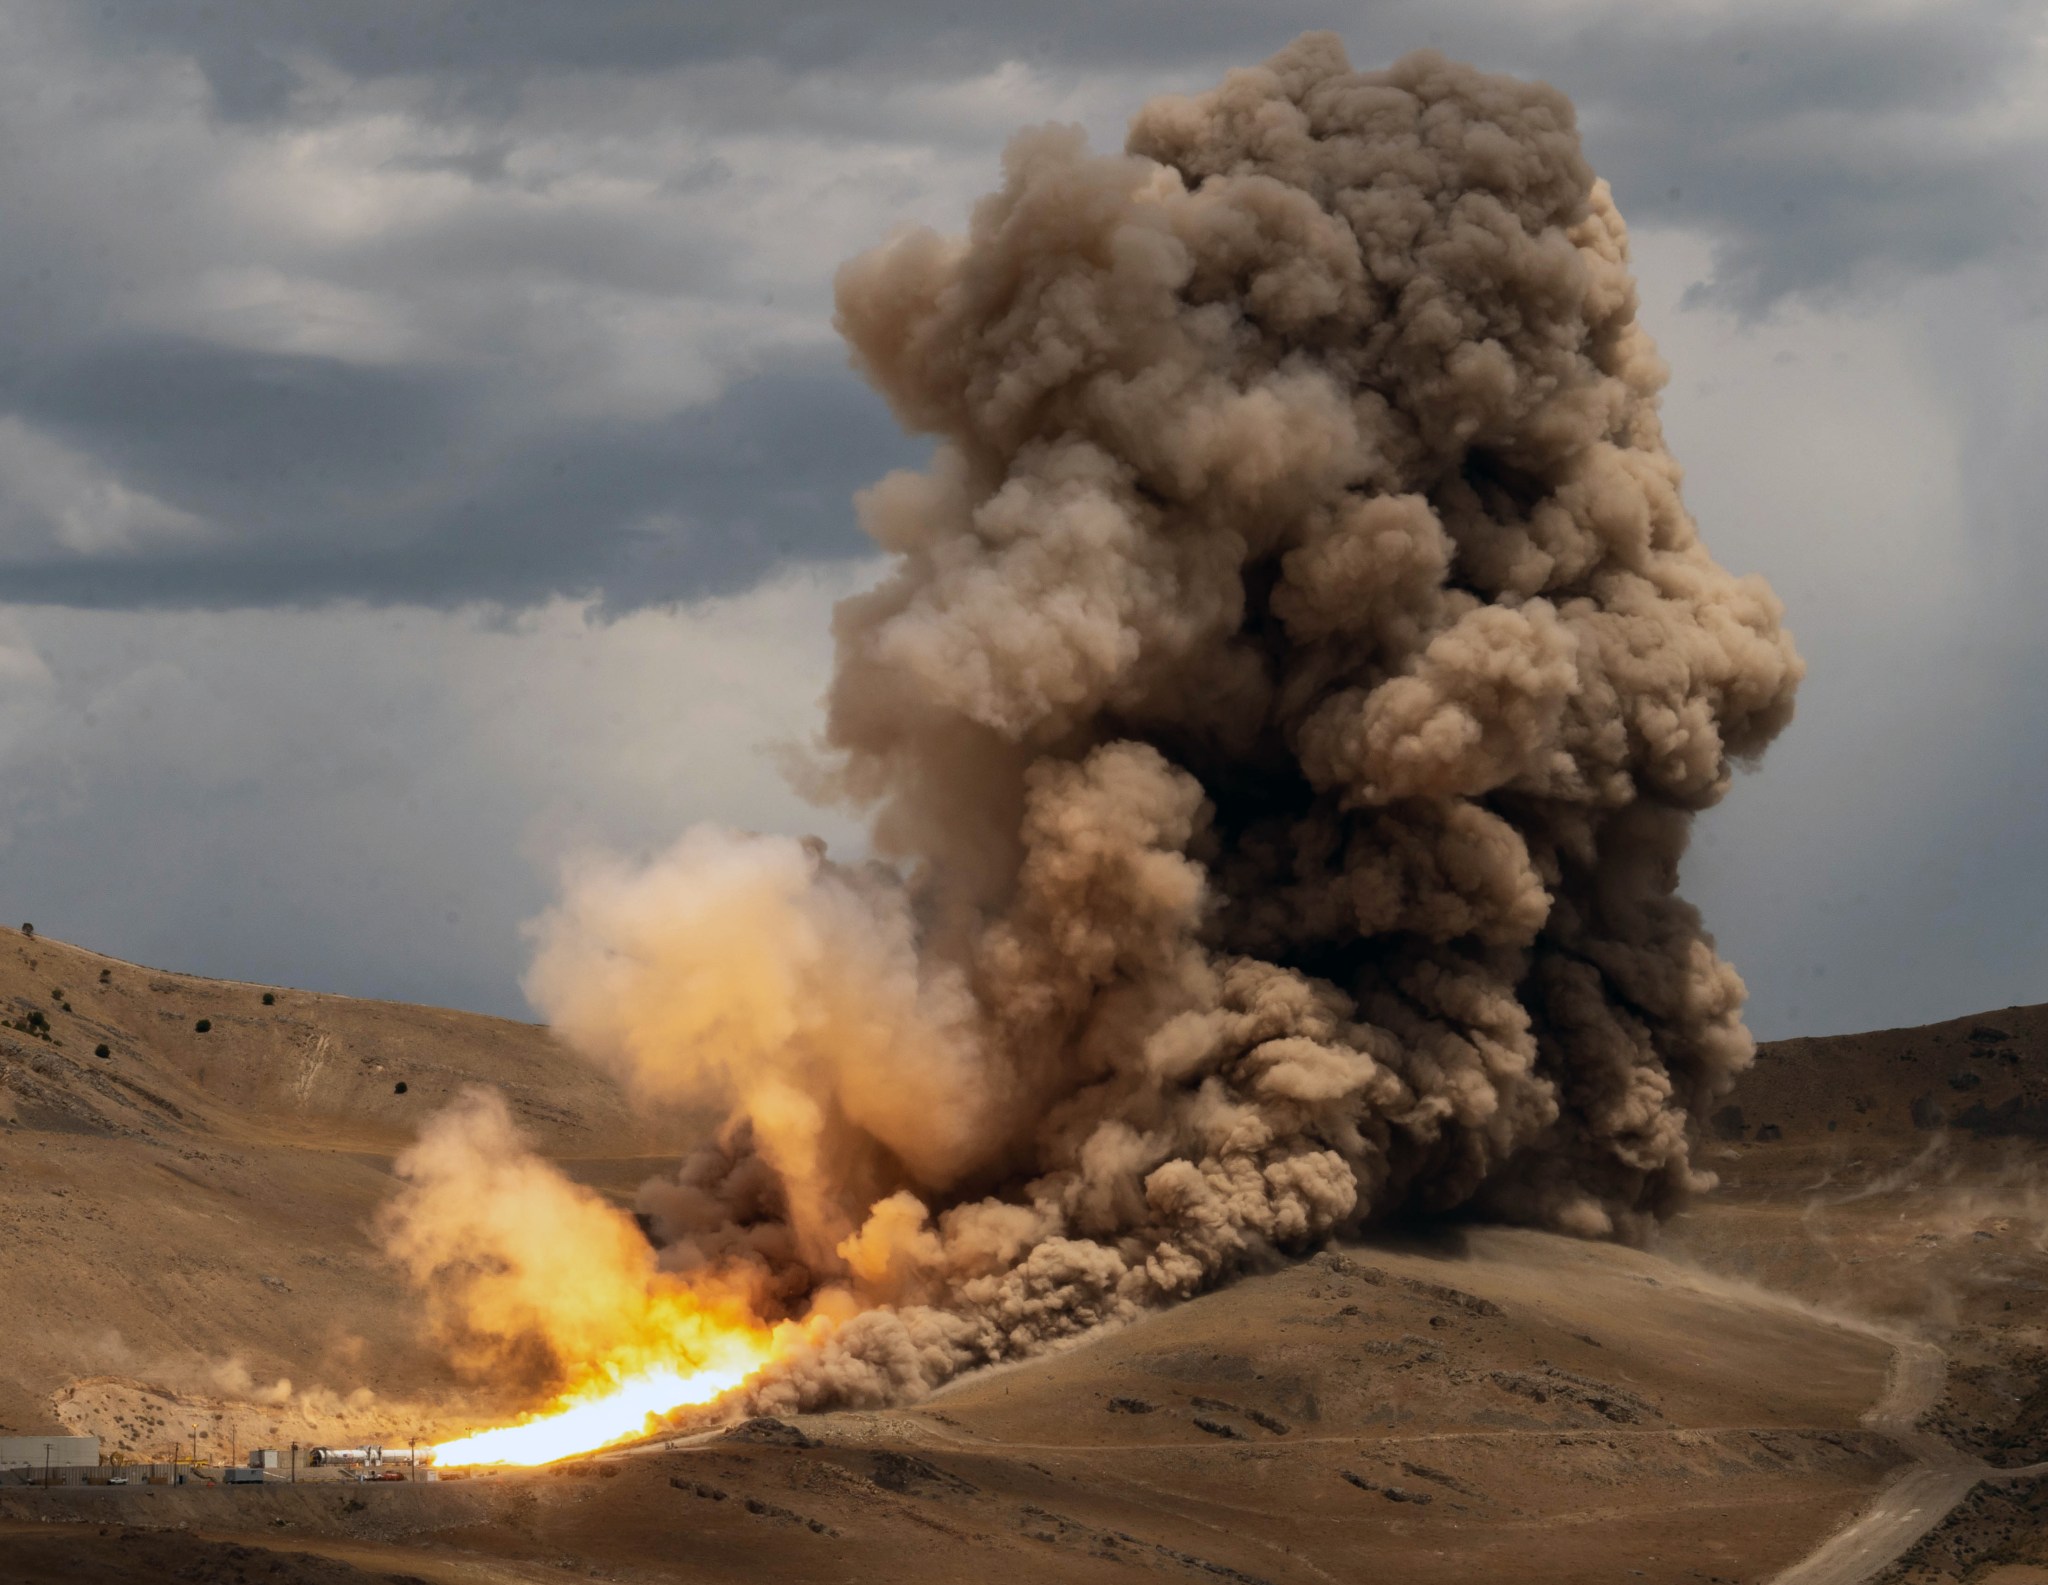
x=372, y=1455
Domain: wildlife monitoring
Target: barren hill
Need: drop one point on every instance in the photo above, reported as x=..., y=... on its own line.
x=1984, y=1077
x=188, y=1166
x=186, y=1224
x=1902, y=1174
x=1498, y=1405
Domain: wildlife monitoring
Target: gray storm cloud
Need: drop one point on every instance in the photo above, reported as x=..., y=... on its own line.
x=1282, y=724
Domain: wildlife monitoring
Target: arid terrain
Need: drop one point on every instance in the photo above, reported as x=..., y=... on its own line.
x=189, y=1211
x=188, y=1250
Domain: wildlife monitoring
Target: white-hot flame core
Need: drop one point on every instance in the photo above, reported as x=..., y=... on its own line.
x=628, y=1410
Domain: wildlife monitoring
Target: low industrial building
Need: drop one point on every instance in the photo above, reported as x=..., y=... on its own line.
x=57, y=1458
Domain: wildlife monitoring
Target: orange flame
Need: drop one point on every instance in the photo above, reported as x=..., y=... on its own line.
x=695, y=1356
x=513, y=1251
x=600, y=1415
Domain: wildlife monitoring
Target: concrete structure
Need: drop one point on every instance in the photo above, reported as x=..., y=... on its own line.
x=57, y=1452
x=235, y=1475
x=263, y=1458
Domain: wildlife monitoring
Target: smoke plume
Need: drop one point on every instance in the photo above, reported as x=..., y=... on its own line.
x=1282, y=724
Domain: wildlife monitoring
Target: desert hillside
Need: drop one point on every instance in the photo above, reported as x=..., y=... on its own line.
x=1900, y=1171
x=1983, y=1077
x=187, y=1172
x=1496, y=1405
x=1902, y=1175
x=188, y=1248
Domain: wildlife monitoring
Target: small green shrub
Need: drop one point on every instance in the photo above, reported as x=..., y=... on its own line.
x=270, y=998
x=102, y=1050
x=28, y=930
x=203, y=1025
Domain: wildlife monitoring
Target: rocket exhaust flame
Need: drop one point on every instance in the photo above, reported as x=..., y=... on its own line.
x=536, y=1277
x=618, y=1413
x=1283, y=720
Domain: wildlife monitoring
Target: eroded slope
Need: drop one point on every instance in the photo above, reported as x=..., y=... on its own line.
x=191, y=1210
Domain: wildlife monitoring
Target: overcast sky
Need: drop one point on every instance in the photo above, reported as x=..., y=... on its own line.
x=424, y=449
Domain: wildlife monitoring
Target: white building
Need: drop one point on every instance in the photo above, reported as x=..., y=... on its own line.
x=56, y=1452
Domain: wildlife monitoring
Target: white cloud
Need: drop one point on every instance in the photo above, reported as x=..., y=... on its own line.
x=373, y=800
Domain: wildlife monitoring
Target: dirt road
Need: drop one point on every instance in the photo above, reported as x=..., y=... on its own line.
x=1922, y=1496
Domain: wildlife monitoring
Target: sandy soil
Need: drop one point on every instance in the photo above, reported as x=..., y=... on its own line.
x=188, y=1220
x=1497, y=1405
x=188, y=1216
x=1903, y=1176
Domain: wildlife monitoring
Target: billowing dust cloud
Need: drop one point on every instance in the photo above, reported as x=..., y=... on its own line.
x=1282, y=725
